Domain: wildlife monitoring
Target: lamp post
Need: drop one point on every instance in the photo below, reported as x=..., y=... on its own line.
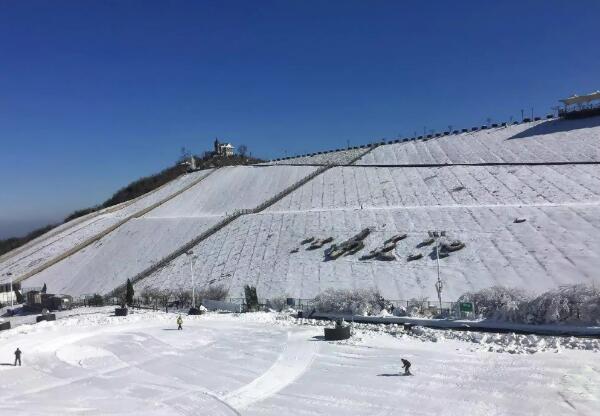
x=193, y=257
x=439, y=286
x=9, y=274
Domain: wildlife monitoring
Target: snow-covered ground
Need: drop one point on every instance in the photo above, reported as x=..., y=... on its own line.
x=47, y=248
x=557, y=244
x=259, y=364
x=554, y=140
x=553, y=247
x=231, y=188
x=141, y=242
x=341, y=157
x=120, y=255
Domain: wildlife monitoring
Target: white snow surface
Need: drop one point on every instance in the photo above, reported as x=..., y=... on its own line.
x=70, y=236
x=552, y=248
x=557, y=244
x=266, y=364
x=120, y=255
x=556, y=140
x=230, y=189
x=341, y=157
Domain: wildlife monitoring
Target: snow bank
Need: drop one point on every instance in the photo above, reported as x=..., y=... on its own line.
x=491, y=342
x=573, y=304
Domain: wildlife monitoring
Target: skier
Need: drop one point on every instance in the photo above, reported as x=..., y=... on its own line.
x=179, y=322
x=18, y=357
x=406, y=366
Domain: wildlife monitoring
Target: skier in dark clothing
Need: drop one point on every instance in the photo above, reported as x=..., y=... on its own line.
x=406, y=366
x=18, y=357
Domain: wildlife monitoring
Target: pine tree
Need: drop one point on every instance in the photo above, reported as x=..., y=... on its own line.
x=251, y=298
x=44, y=289
x=129, y=293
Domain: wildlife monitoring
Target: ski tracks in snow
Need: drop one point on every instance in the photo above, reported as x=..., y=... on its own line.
x=294, y=360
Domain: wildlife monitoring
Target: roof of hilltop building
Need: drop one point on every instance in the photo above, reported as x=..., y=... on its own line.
x=581, y=99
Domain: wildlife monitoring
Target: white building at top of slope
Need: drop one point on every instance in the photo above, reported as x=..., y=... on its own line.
x=223, y=149
x=580, y=106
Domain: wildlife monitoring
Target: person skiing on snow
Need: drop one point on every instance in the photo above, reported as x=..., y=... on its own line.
x=179, y=322
x=18, y=357
x=406, y=366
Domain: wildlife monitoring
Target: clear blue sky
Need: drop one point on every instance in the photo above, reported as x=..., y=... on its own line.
x=94, y=94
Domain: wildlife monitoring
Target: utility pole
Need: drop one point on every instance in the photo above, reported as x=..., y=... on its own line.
x=522, y=115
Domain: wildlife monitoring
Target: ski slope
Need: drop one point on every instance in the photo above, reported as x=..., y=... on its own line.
x=472, y=184
x=556, y=245
x=142, y=242
x=232, y=188
x=555, y=140
x=120, y=255
x=264, y=364
x=47, y=248
x=340, y=157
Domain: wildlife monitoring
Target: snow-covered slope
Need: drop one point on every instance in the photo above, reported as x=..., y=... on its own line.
x=48, y=248
x=122, y=254
x=231, y=188
x=557, y=244
x=476, y=204
x=142, y=242
x=340, y=157
x=554, y=140
x=366, y=187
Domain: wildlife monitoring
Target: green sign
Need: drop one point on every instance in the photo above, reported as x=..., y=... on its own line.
x=466, y=307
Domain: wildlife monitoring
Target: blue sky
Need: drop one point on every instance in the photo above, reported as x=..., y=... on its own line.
x=94, y=94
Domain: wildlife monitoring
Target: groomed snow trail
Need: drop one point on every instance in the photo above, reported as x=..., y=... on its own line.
x=290, y=365
x=263, y=365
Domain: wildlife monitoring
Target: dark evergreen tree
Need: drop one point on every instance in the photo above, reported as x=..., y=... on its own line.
x=44, y=289
x=251, y=298
x=129, y=293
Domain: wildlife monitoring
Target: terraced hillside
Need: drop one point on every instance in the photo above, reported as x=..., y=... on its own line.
x=143, y=241
x=473, y=185
x=473, y=200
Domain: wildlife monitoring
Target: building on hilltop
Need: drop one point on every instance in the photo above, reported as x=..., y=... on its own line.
x=223, y=149
x=580, y=106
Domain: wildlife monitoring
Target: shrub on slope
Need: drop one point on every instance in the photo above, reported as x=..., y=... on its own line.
x=356, y=302
x=574, y=304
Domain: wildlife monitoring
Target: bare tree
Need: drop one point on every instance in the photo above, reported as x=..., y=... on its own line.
x=243, y=150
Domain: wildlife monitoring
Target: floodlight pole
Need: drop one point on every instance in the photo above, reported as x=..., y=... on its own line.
x=438, y=284
x=192, y=258
x=9, y=274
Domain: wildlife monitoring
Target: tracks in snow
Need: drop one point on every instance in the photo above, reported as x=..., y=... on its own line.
x=290, y=365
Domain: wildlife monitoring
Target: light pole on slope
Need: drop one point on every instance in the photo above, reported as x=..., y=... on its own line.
x=439, y=286
x=193, y=258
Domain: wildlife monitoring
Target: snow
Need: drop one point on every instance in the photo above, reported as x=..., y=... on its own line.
x=554, y=140
x=53, y=244
x=552, y=248
x=341, y=157
x=266, y=364
x=122, y=254
x=556, y=245
x=232, y=188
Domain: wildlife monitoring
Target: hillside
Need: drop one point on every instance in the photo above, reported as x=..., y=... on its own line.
x=472, y=184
